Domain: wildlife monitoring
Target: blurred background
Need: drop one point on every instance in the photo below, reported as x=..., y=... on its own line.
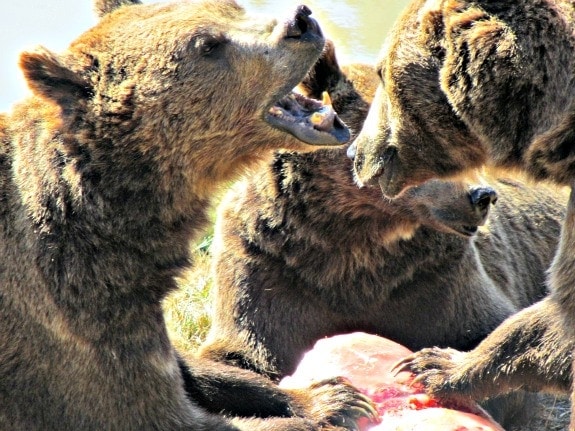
x=357, y=26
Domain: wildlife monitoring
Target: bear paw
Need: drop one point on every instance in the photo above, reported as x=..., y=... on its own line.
x=336, y=404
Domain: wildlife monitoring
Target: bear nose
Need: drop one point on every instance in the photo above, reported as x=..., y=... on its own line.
x=482, y=197
x=302, y=25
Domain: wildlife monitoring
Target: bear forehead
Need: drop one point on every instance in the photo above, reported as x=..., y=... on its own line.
x=144, y=24
x=194, y=13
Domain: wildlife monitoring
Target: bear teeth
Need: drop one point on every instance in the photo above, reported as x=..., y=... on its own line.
x=276, y=111
x=325, y=99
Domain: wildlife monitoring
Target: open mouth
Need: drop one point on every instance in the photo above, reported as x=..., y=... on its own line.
x=311, y=121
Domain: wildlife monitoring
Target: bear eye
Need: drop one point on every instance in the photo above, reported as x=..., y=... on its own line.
x=208, y=45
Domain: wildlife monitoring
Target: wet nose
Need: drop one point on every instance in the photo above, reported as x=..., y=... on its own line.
x=482, y=197
x=302, y=26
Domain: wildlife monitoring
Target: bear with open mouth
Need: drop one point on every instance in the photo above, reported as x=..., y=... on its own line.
x=106, y=173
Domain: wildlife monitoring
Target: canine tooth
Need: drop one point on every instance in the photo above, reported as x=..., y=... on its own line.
x=325, y=99
x=276, y=111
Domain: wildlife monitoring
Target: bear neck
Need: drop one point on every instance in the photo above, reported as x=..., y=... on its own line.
x=107, y=238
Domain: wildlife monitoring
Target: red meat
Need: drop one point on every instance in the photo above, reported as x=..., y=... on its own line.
x=366, y=360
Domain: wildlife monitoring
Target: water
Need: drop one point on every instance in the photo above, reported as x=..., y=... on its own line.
x=357, y=27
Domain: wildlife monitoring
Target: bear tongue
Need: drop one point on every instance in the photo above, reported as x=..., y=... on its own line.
x=325, y=117
x=309, y=120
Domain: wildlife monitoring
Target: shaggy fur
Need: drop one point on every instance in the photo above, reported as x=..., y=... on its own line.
x=466, y=83
x=301, y=253
x=105, y=176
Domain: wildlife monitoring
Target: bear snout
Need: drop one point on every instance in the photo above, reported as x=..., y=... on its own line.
x=302, y=26
x=482, y=197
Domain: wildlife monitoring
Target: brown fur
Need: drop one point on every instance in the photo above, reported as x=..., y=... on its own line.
x=301, y=253
x=105, y=175
x=532, y=350
x=466, y=83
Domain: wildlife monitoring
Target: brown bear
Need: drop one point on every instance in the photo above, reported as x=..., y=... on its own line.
x=531, y=350
x=301, y=253
x=106, y=172
x=466, y=83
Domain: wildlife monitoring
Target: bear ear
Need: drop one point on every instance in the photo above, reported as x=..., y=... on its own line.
x=432, y=32
x=49, y=78
x=476, y=44
x=551, y=156
x=104, y=7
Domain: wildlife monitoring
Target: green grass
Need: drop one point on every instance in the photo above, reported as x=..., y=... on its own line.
x=188, y=309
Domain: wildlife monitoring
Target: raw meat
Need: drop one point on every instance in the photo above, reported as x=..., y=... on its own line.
x=366, y=360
